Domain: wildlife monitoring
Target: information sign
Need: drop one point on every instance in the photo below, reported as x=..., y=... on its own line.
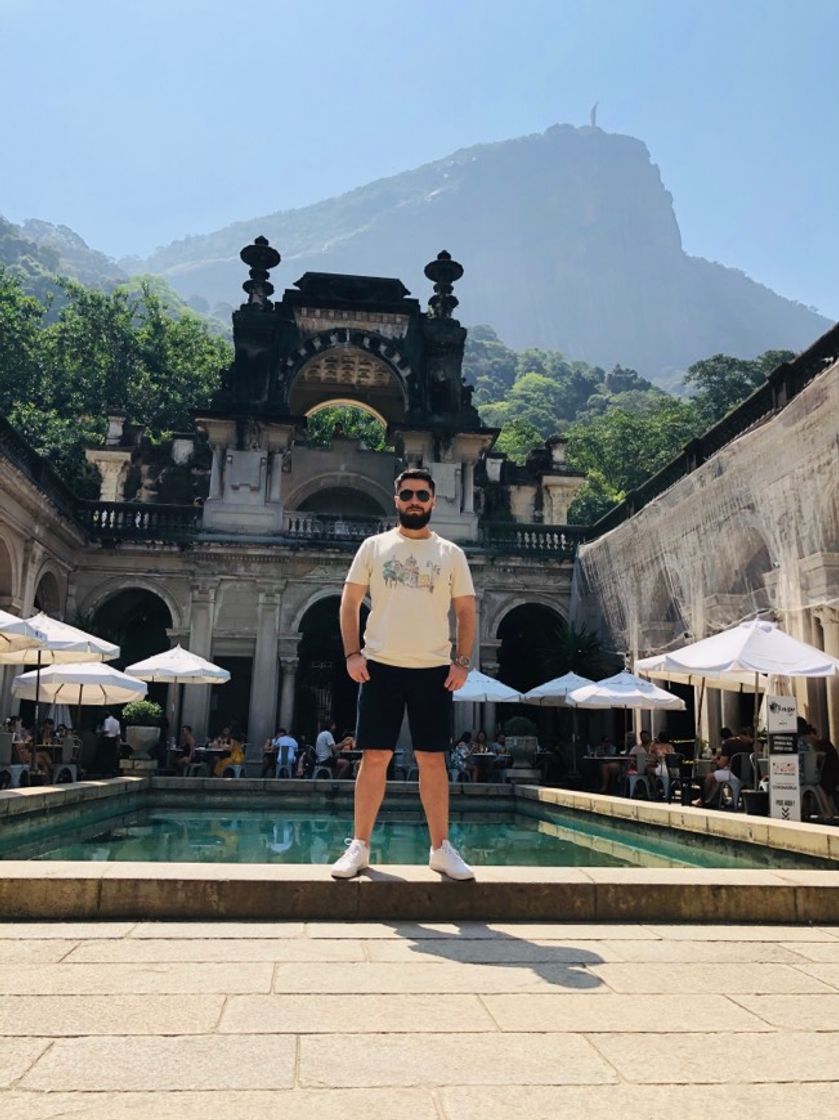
x=784, y=784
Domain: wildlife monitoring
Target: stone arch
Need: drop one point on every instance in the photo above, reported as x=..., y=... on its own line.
x=522, y=631
x=491, y=624
x=352, y=366
x=346, y=402
x=377, y=495
x=323, y=592
x=112, y=587
x=8, y=574
x=48, y=597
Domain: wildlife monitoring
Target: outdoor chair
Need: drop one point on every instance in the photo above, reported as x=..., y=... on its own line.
x=196, y=770
x=284, y=768
x=322, y=771
x=637, y=785
x=729, y=795
x=67, y=770
x=13, y=775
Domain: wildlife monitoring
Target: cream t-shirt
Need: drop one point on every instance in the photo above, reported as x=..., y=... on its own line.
x=412, y=583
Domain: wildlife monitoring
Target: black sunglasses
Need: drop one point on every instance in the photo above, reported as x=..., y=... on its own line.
x=420, y=495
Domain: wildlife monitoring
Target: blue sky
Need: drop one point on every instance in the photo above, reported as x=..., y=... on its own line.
x=136, y=122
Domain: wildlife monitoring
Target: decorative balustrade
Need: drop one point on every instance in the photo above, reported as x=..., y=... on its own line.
x=140, y=521
x=327, y=527
x=533, y=539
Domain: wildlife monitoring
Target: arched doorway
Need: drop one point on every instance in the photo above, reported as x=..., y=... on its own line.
x=48, y=596
x=525, y=660
x=137, y=620
x=324, y=689
x=343, y=501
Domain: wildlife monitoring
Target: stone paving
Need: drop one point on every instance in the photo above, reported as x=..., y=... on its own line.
x=402, y=1021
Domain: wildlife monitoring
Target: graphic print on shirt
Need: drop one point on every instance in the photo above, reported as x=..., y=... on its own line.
x=408, y=574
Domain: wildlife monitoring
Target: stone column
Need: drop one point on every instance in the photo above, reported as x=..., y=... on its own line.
x=730, y=711
x=711, y=718
x=289, y=665
x=197, y=696
x=215, y=473
x=829, y=618
x=489, y=715
x=468, y=487
x=816, y=695
x=275, y=488
x=262, y=713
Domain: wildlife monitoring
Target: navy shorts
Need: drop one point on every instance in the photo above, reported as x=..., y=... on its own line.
x=391, y=690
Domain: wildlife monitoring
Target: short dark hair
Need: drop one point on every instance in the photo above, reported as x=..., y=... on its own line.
x=420, y=474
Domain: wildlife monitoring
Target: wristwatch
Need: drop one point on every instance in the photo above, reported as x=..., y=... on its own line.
x=462, y=661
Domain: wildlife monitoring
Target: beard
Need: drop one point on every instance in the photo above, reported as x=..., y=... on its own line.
x=413, y=520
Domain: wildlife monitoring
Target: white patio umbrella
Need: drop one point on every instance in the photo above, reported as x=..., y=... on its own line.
x=60, y=642
x=552, y=693
x=754, y=649
x=757, y=650
x=16, y=634
x=179, y=667
x=81, y=683
x=482, y=689
x=625, y=690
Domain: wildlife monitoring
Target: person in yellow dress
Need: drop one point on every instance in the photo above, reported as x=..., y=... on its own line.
x=231, y=741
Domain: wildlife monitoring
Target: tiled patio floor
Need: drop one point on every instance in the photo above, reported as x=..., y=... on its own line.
x=423, y=1022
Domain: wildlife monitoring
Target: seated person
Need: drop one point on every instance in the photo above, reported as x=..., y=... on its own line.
x=722, y=769
x=231, y=742
x=609, y=771
x=343, y=766
x=325, y=747
x=22, y=755
x=305, y=759
x=188, y=745
x=285, y=747
x=461, y=756
x=503, y=757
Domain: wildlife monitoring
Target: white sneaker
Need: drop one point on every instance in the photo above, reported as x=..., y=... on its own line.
x=354, y=859
x=448, y=860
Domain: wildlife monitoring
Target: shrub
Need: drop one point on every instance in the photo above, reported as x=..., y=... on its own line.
x=142, y=713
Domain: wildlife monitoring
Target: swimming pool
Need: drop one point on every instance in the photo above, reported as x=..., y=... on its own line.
x=490, y=833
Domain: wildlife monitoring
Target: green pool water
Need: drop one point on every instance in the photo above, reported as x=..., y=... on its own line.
x=274, y=835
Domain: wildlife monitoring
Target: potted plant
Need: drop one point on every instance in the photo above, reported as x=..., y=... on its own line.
x=142, y=726
x=521, y=739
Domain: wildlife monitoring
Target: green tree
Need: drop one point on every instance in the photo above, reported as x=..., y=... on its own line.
x=344, y=420
x=517, y=439
x=721, y=381
x=628, y=447
x=593, y=500
x=20, y=335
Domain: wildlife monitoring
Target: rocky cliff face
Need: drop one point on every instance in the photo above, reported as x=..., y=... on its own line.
x=569, y=240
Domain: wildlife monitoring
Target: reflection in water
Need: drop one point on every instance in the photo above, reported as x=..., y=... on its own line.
x=297, y=836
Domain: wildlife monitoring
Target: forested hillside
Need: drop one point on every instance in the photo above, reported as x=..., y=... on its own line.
x=139, y=350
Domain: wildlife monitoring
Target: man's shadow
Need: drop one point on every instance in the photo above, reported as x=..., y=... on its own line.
x=564, y=966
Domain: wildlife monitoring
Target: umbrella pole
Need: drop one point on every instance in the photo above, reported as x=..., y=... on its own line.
x=79, y=713
x=37, y=716
x=698, y=720
x=755, y=716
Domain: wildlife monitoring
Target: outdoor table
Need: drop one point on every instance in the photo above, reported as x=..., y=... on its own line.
x=483, y=760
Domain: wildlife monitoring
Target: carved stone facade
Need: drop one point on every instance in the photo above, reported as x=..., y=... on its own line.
x=251, y=575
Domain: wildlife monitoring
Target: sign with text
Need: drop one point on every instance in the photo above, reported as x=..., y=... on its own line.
x=784, y=784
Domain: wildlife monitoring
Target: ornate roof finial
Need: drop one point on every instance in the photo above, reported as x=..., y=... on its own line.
x=259, y=257
x=443, y=272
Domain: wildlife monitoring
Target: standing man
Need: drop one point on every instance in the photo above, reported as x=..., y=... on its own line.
x=413, y=577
